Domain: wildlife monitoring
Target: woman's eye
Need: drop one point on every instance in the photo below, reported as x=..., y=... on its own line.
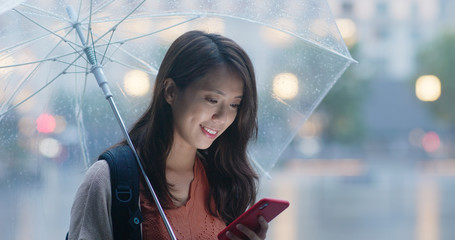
x=236, y=106
x=211, y=100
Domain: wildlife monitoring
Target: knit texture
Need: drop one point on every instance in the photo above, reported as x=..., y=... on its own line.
x=190, y=221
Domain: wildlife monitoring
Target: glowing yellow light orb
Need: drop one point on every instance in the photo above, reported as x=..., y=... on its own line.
x=348, y=30
x=286, y=86
x=428, y=88
x=136, y=83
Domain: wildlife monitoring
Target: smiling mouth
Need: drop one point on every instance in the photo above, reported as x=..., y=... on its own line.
x=209, y=132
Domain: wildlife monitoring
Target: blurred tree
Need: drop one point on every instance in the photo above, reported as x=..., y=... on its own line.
x=438, y=58
x=343, y=106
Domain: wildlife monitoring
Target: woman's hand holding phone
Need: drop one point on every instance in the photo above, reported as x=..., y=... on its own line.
x=253, y=224
x=252, y=235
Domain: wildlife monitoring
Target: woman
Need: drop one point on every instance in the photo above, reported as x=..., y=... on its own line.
x=192, y=141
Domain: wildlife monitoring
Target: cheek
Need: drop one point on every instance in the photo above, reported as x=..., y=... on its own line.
x=231, y=118
x=195, y=113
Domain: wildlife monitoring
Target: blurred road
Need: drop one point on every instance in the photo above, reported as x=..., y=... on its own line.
x=330, y=199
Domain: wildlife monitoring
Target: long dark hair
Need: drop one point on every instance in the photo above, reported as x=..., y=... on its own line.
x=233, y=182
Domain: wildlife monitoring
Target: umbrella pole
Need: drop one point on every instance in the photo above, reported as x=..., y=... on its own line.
x=130, y=143
x=97, y=71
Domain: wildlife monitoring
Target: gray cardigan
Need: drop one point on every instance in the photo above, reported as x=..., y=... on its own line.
x=91, y=210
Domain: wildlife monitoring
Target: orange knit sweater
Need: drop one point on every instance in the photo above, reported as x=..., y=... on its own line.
x=191, y=221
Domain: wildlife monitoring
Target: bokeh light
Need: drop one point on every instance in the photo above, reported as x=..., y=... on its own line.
x=348, y=30
x=310, y=128
x=431, y=142
x=136, y=83
x=428, y=88
x=286, y=86
x=50, y=147
x=310, y=146
x=45, y=123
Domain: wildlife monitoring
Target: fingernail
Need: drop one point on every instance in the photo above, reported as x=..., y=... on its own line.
x=239, y=226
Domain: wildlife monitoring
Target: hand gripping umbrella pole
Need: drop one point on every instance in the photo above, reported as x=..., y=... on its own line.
x=97, y=70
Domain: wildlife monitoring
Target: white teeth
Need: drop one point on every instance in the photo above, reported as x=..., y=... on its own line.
x=210, y=131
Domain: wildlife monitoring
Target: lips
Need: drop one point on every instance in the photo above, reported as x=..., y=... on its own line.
x=209, y=132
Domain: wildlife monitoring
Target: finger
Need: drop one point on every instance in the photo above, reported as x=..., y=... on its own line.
x=248, y=232
x=232, y=236
x=264, y=227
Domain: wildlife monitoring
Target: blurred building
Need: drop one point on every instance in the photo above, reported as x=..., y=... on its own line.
x=389, y=31
x=385, y=37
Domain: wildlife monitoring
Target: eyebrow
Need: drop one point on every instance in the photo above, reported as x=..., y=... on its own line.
x=220, y=92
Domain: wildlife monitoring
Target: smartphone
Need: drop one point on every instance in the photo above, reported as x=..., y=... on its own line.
x=269, y=208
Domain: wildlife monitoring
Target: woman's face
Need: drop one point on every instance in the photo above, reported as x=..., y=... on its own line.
x=206, y=108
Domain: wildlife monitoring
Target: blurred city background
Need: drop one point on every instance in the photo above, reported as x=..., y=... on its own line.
x=376, y=159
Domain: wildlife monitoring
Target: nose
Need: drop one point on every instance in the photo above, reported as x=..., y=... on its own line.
x=220, y=115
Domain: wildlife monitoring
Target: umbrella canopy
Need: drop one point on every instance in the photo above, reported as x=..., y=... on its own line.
x=53, y=115
x=51, y=107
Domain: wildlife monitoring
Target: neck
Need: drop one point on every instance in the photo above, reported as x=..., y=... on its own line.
x=181, y=158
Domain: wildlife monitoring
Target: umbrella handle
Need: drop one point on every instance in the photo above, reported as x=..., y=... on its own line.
x=97, y=71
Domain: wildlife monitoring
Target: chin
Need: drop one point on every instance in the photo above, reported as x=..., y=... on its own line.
x=204, y=146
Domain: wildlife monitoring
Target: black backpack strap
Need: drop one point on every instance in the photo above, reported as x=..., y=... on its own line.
x=125, y=212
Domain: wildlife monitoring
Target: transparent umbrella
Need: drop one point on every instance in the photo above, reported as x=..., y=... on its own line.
x=51, y=109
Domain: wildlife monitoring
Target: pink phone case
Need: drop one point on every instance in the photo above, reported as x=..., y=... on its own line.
x=269, y=208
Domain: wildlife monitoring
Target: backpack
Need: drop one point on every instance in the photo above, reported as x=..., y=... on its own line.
x=125, y=212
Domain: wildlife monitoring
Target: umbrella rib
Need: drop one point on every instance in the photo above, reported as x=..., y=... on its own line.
x=40, y=89
x=52, y=59
x=49, y=30
x=24, y=80
x=107, y=47
x=80, y=100
x=110, y=58
x=69, y=42
x=138, y=37
x=151, y=69
x=79, y=10
x=72, y=64
x=89, y=32
x=77, y=72
x=132, y=67
x=121, y=21
x=31, y=40
x=154, y=32
x=126, y=52
x=98, y=9
x=80, y=122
